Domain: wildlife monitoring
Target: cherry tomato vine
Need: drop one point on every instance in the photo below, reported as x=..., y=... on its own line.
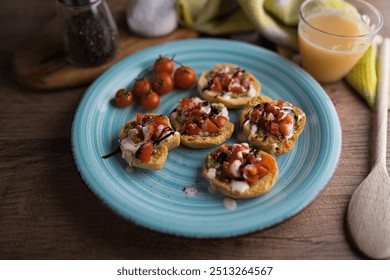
x=158, y=79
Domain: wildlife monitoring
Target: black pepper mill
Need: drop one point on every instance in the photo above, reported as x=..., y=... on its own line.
x=89, y=31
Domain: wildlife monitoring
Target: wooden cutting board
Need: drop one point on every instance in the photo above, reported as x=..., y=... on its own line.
x=40, y=62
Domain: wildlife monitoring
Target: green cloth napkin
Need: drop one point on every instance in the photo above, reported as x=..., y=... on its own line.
x=275, y=20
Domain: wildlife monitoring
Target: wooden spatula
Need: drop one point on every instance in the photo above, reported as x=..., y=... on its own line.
x=368, y=214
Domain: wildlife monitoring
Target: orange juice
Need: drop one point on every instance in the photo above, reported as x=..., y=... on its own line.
x=331, y=44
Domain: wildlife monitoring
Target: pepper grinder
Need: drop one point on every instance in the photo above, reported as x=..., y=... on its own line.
x=89, y=31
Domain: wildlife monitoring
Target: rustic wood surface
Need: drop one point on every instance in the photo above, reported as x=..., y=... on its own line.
x=43, y=64
x=47, y=212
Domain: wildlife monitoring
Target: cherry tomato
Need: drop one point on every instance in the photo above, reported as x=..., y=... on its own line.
x=150, y=101
x=144, y=153
x=184, y=77
x=164, y=64
x=123, y=97
x=141, y=87
x=162, y=83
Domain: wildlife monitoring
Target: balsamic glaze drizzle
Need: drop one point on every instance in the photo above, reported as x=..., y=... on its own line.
x=117, y=151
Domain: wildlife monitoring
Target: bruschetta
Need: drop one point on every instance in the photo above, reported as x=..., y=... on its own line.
x=229, y=85
x=201, y=123
x=272, y=125
x=146, y=139
x=239, y=171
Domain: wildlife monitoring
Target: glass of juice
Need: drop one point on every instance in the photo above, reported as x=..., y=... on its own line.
x=334, y=34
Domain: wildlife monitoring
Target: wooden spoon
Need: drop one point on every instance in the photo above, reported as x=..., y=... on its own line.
x=369, y=209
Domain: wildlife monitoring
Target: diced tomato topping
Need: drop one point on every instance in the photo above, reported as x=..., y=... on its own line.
x=289, y=118
x=252, y=158
x=218, y=120
x=285, y=128
x=222, y=149
x=225, y=79
x=246, y=83
x=158, y=128
x=273, y=118
x=252, y=167
x=136, y=135
x=250, y=173
x=196, y=114
x=234, y=154
x=226, y=169
x=271, y=108
x=255, y=115
x=187, y=103
x=144, y=153
x=197, y=119
x=262, y=171
x=209, y=126
x=216, y=84
x=236, y=88
x=139, y=118
x=268, y=162
x=159, y=119
x=191, y=129
x=151, y=131
x=282, y=103
x=274, y=128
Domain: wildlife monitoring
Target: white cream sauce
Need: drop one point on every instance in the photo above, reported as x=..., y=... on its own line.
x=211, y=173
x=239, y=186
x=128, y=144
x=191, y=191
x=235, y=168
x=229, y=203
x=253, y=131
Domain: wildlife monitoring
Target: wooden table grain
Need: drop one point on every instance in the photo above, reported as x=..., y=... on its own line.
x=47, y=211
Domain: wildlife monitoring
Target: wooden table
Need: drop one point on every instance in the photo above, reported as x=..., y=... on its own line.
x=47, y=211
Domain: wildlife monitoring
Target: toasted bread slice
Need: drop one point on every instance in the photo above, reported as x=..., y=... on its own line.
x=181, y=116
x=161, y=146
x=233, y=93
x=239, y=187
x=157, y=162
x=260, y=135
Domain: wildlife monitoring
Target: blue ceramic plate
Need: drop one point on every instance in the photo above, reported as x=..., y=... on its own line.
x=176, y=199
